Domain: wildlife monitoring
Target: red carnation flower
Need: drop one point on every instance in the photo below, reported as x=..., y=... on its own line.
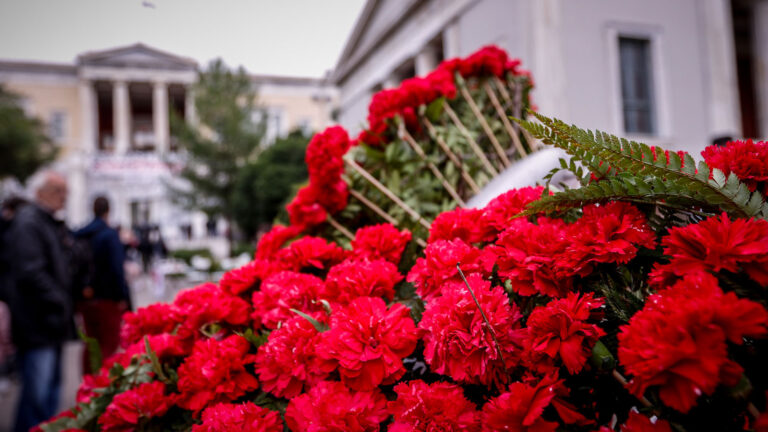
x=637, y=422
x=305, y=210
x=141, y=403
x=352, y=279
x=439, y=265
x=288, y=362
x=747, y=159
x=311, y=252
x=457, y=342
x=164, y=345
x=531, y=256
x=208, y=303
x=153, y=319
x=715, y=244
x=369, y=341
x=382, y=241
x=465, y=224
x=274, y=239
x=559, y=331
x=245, y=278
x=331, y=407
x=521, y=408
x=502, y=209
x=440, y=406
x=677, y=341
x=91, y=383
x=245, y=417
x=282, y=292
x=609, y=233
x=324, y=153
x=215, y=372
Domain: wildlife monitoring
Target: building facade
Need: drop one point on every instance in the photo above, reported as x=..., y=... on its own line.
x=109, y=113
x=673, y=73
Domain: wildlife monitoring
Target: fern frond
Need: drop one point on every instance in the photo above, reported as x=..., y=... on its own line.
x=637, y=172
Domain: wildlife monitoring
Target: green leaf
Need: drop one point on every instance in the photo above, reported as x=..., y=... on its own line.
x=435, y=109
x=320, y=327
x=156, y=367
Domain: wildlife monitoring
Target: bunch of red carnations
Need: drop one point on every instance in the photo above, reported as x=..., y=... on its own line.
x=590, y=321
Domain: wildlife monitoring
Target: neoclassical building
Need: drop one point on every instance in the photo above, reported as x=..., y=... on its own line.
x=109, y=113
x=673, y=73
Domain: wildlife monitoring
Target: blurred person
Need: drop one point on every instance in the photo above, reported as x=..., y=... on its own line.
x=37, y=246
x=104, y=293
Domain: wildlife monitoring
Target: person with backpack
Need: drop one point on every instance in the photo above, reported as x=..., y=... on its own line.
x=103, y=291
x=37, y=247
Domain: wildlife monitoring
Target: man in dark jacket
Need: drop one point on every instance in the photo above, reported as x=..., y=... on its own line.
x=41, y=299
x=105, y=294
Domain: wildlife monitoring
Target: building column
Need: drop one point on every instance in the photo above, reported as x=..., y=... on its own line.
x=190, y=112
x=548, y=66
x=721, y=82
x=451, y=44
x=760, y=52
x=121, y=108
x=160, y=117
x=89, y=117
x=426, y=60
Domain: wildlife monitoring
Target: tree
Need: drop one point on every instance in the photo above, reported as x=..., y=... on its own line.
x=23, y=142
x=263, y=187
x=225, y=139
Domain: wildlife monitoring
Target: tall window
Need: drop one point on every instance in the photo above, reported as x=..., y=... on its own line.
x=57, y=126
x=637, y=85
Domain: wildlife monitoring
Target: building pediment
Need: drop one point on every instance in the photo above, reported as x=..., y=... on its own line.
x=136, y=56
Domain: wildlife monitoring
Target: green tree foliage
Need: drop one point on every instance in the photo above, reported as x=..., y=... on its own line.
x=264, y=186
x=225, y=139
x=24, y=146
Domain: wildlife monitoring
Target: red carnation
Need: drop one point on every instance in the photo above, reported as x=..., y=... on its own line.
x=502, y=209
x=288, y=362
x=245, y=278
x=208, y=303
x=457, y=342
x=608, y=233
x=439, y=265
x=369, y=341
x=352, y=279
x=465, y=224
x=324, y=155
x=141, y=403
x=164, y=345
x=678, y=340
x=715, y=244
x=274, y=239
x=245, y=417
x=305, y=210
x=332, y=407
x=91, y=383
x=153, y=319
x=520, y=409
x=531, y=256
x=637, y=422
x=282, y=292
x=747, y=159
x=559, y=331
x=215, y=372
x=311, y=252
x=382, y=241
x=440, y=406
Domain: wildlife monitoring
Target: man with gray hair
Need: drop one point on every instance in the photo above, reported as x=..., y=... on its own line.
x=37, y=248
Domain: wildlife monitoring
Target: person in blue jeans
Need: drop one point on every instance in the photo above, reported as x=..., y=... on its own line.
x=38, y=248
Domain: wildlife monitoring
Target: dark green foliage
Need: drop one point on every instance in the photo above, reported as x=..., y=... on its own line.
x=225, y=140
x=23, y=143
x=629, y=171
x=264, y=186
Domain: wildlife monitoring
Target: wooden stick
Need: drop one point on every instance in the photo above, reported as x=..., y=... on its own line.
x=472, y=143
x=623, y=381
x=451, y=155
x=417, y=148
x=486, y=127
x=533, y=144
x=383, y=189
x=340, y=228
x=502, y=86
x=504, y=120
x=368, y=203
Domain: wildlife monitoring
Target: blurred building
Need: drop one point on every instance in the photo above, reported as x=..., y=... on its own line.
x=109, y=112
x=672, y=73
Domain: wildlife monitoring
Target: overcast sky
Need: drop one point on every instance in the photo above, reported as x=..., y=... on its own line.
x=284, y=37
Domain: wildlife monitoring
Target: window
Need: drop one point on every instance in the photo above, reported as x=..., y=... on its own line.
x=57, y=126
x=637, y=86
